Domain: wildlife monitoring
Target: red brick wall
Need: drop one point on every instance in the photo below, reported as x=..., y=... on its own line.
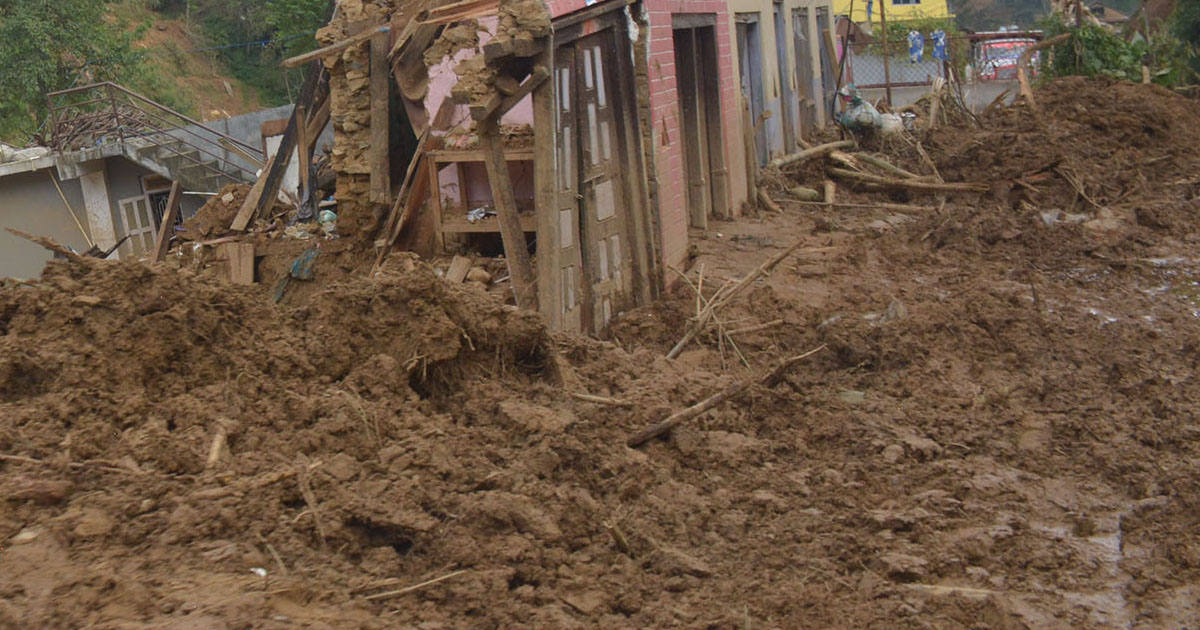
x=668, y=168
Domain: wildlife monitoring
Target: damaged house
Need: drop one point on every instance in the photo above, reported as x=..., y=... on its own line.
x=578, y=139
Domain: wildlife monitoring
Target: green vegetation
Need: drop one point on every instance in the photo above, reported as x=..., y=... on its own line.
x=253, y=36
x=50, y=45
x=1096, y=51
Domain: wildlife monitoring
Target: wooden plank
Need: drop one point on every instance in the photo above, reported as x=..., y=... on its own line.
x=507, y=85
x=232, y=147
x=545, y=200
x=516, y=251
x=392, y=229
x=304, y=151
x=266, y=189
x=499, y=106
x=250, y=204
x=458, y=269
x=241, y=261
x=317, y=124
x=332, y=49
x=272, y=128
x=168, y=222
x=443, y=156
x=460, y=10
x=381, y=186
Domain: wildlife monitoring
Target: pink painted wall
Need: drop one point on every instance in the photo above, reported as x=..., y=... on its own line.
x=669, y=169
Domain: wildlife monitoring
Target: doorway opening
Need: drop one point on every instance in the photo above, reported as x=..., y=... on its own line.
x=695, y=40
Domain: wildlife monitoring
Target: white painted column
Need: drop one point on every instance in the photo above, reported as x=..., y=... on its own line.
x=94, y=183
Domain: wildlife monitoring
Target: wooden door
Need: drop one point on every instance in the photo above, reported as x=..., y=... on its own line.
x=693, y=126
x=596, y=263
x=828, y=79
x=809, y=88
x=749, y=42
x=606, y=255
x=786, y=101
x=138, y=220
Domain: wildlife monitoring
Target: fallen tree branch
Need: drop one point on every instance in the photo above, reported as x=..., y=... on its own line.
x=909, y=184
x=898, y=207
x=809, y=154
x=768, y=380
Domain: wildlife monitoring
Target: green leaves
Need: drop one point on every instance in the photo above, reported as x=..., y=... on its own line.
x=49, y=45
x=1095, y=51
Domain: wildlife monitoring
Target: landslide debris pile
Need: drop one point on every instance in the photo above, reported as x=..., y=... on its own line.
x=1102, y=153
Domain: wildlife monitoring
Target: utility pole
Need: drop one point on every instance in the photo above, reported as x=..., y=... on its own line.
x=887, y=64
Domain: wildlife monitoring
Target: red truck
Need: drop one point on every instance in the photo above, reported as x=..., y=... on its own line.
x=996, y=59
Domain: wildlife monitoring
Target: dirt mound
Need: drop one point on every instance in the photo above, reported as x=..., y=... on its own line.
x=1098, y=161
x=214, y=217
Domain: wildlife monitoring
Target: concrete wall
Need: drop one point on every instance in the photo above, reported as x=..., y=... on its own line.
x=771, y=72
x=896, y=12
x=31, y=204
x=245, y=128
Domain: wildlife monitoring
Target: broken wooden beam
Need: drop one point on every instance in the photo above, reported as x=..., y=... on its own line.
x=886, y=165
x=908, y=183
x=516, y=251
x=459, y=267
x=808, y=154
x=381, y=186
x=767, y=380
x=829, y=193
x=49, y=244
x=167, y=225
x=765, y=199
x=332, y=49
x=496, y=106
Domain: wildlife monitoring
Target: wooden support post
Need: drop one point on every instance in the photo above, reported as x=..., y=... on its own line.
x=168, y=223
x=317, y=124
x=266, y=189
x=303, y=151
x=516, y=252
x=381, y=187
x=830, y=193
x=887, y=64
x=240, y=256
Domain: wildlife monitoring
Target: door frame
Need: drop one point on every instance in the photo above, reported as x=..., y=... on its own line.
x=640, y=223
x=700, y=103
x=786, y=94
x=749, y=42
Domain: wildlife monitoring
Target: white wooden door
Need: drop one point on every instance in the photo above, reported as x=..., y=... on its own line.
x=138, y=224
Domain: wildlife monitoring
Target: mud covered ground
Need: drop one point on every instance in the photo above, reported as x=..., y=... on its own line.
x=1000, y=433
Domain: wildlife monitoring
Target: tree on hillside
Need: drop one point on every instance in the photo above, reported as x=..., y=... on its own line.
x=49, y=45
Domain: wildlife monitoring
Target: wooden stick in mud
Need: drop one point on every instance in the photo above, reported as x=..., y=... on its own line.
x=767, y=202
x=886, y=165
x=1023, y=60
x=909, y=184
x=724, y=297
x=601, y=400
x=768, y=380
x=409, y=589
x=749, y=329
x=830, y=193
x=808, y=154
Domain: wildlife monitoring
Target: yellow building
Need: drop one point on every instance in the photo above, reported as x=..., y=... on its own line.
x=898, y=10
